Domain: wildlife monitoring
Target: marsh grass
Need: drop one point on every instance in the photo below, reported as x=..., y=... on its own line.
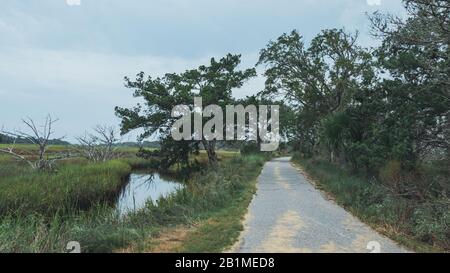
x=71, y=187
x=209, y=193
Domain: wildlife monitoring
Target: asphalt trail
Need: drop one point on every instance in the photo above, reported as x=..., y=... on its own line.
x=289, y=215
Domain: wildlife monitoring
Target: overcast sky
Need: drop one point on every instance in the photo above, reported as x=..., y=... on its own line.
x=68, y=58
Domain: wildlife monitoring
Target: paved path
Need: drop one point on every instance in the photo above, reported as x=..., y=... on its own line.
x=289, y=215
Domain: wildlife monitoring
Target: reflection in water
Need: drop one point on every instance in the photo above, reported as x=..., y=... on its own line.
x=142, y=188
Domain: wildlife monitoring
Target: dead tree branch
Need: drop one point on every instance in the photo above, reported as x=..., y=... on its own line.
x=100, y=145
x=39, y=136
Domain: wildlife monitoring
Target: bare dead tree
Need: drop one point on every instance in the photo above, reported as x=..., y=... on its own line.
x=39, y=136
x=99, y=146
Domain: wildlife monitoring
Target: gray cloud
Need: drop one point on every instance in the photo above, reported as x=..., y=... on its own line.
x=70, y=60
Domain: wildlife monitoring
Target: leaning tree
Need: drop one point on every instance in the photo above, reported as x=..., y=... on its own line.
x=213, y=83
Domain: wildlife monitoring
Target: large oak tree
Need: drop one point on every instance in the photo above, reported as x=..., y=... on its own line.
x=213, y=83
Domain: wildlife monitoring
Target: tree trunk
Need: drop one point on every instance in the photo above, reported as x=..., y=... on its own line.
x=210, y=147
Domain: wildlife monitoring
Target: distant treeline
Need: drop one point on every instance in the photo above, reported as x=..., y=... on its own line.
x=4, y=139
x=145, y=144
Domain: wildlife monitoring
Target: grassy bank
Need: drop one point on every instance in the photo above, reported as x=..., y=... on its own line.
x=76, y=183
x=221, y=199
x=206, y=196
x=422, y=225
x=71, y=187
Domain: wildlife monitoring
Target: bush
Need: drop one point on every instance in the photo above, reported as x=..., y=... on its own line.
x=249, y=148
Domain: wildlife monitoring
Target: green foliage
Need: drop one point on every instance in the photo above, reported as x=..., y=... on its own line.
x=416, y=54
x=213, y=83
x=363, y=108
x=319, y=81
x=249, y=148
x=177, y=152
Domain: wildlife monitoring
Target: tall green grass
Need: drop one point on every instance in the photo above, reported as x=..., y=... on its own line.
x=423, y=225
x=101, y=229
x=71, y=187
